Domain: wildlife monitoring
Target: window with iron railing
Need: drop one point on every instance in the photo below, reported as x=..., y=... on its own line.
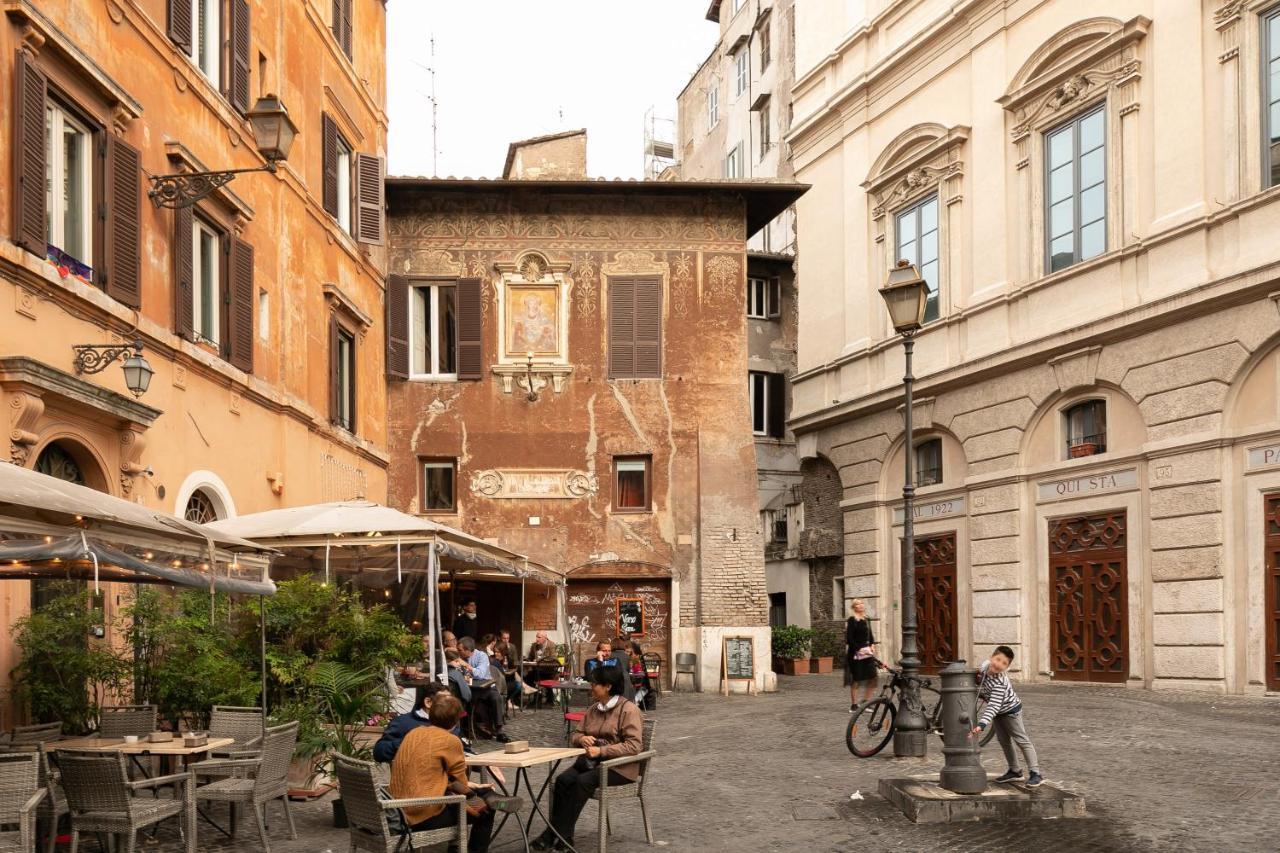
x=1085, y=425
x=929, y=462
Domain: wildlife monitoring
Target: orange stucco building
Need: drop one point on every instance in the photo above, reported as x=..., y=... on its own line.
x=259, y=308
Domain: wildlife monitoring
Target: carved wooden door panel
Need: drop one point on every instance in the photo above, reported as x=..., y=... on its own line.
x=1088, y=598
x=1271, y=577
x=936, y=601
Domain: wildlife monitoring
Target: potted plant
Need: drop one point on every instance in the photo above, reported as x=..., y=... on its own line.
x=790, y=646
x=1084, y=448
x=826, y=647
x=345, y=699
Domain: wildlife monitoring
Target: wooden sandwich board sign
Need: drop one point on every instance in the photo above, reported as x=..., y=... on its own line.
x=738, y=663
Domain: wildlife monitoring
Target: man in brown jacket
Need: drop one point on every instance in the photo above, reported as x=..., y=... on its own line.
x=612, y=727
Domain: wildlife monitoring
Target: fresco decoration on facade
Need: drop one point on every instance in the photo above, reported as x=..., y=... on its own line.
x=432, y=262
x=584, y=282
x=483, y=221
x=723, y=277
x=681, y=283
x=534, y=483
x=532, y=319
x=477, y=268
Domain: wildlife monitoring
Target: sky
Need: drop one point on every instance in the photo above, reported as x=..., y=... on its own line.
x=512, y=69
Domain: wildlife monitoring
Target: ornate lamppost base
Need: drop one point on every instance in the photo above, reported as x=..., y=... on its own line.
x=909, y=744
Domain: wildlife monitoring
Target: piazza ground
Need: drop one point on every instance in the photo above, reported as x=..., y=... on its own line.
x=1160, y=772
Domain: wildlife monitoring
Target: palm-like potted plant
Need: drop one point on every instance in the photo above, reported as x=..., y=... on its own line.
x=345, y=700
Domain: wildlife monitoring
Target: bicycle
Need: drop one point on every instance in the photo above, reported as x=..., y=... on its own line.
x=871, y=724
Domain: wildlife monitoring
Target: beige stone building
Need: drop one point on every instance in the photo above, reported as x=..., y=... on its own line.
x=732, y=117
x=1090, y=190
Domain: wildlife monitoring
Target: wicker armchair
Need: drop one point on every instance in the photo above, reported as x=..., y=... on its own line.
x=607, y=793
x=20, y=793
x=120, y=720
x=358, y=785
x=243, y=725
x=54, y=804
x=39, y=733
x=256, y=781
x=103, y=800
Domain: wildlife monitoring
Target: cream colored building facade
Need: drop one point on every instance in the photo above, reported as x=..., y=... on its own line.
x=1098, y=397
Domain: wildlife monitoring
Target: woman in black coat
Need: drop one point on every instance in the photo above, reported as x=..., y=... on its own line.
x=860, y=654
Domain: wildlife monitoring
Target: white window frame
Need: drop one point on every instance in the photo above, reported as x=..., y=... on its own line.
x=916, y=211
x=57, y=120
x=713, y=104
x=766, y=130
x=741, y=71
x=345, y=158
x=1072, y=126
x=450, y=465
x=346, y=379
x=199, y=228
x=733, y=162
x=1270, y=98
x=758, y=385
x=206, y=35
x=762, y=298
x=264, y=315
x=433, y=303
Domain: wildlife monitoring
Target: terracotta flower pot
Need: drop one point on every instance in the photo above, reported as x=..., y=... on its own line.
x=795, y=666
x=820, y=664
x=1088, y=448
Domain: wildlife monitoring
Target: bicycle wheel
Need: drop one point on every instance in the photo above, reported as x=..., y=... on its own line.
x=870, y=727
x=931, y=700
x=990, y=730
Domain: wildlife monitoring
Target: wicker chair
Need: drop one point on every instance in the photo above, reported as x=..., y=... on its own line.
x=54, y=804
x=20, y=793
x=607, y=793
x=120, y=720
x=359, y=787
x=39, y=733
x=103, y=800
x=243, y=725
x=256, y=781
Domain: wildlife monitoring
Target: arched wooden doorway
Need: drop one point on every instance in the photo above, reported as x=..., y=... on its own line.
x=65, y=459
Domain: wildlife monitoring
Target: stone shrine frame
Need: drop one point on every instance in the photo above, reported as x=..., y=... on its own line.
x=533, y=298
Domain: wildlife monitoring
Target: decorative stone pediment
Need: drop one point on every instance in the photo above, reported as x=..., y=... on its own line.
x=922, y=159
x=533, y=299
x=1080, y=63
x=534, y=483
x=1078, y=369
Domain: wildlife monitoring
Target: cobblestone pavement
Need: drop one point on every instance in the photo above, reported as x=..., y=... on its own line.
x=1159, y=771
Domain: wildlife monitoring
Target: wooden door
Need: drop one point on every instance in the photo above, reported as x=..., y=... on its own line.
x=1271, y=577
x=1088, y=598
x=936, y=601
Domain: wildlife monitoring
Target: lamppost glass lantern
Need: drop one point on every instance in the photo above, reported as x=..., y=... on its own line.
x=273, y=130
x=137, y=373
x=906, y=295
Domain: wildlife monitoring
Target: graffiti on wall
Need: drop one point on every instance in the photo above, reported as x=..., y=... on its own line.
x=583, y=606
x=580, y=629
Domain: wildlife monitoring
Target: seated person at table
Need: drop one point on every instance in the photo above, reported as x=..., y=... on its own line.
x=541, y=648
x=604, y=657
x=611, y=728
x=385, y=749
x=458, y=685
x=449, y=640
x=430, y=763
x=399, y=699
x=486, y=697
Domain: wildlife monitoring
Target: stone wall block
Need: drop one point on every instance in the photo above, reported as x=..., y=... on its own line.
x=1199, y=466
x=1219, y=363
x=860, y=543
x=1186, y=564
x=993, y=525
x=1199, y=596
x=1188, y=629
x=997, y=576
x=1186, y=500
x=1003, y=442
x=986, y=551
x=995, y=631
x=1011, y=413
x=997, y=603
x=1186, y=531
x=1188, y=662
x=993, y=499
x=1193, y=426
x=1182, y=403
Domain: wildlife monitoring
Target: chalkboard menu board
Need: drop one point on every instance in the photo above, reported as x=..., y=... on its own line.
x=739, y=657
x=630, y=617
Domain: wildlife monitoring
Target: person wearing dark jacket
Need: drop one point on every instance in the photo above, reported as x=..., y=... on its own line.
x=387, y=746
x=465, y=624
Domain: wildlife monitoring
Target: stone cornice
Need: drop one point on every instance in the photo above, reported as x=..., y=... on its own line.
x=21, y=370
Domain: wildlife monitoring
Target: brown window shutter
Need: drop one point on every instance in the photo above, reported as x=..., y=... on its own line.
x=124, y=223
x=370, y=172
x=329, y=158
x=240, y=306
x=622, y=328
x=180, y=23
x=28, y=157
x=398, y=327
x=335, y=390
x=184, y=322
x=342, y=15
x=775, y=414
x=648, y=328
x=469, y=334
x=238, y=80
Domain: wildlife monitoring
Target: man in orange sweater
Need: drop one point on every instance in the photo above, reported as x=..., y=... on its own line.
x=430, y=763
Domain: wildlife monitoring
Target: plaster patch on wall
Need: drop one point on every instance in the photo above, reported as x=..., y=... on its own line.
x=625, y=405
x=593, y=444
x=666, y=520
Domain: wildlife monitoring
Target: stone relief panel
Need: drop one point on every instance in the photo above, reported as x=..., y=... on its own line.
x=723, y=277
x=682, y=283
x=534, y=483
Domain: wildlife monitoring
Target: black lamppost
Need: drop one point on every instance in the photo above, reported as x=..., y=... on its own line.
x=906, y=295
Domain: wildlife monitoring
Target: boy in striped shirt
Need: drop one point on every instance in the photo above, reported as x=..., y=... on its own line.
x=1004, y=711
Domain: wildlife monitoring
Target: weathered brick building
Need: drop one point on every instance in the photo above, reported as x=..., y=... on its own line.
x=571, y=361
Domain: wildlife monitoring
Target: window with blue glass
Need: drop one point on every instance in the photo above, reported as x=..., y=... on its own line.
x=916, y=241
x=1271, y=85
x=1076, y=190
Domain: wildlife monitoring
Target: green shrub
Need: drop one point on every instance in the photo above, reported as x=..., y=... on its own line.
x=791, y=641
x=827, y=643
x=64, y=672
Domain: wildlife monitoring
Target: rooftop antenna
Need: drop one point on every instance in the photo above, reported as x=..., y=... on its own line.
x=431, y=69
